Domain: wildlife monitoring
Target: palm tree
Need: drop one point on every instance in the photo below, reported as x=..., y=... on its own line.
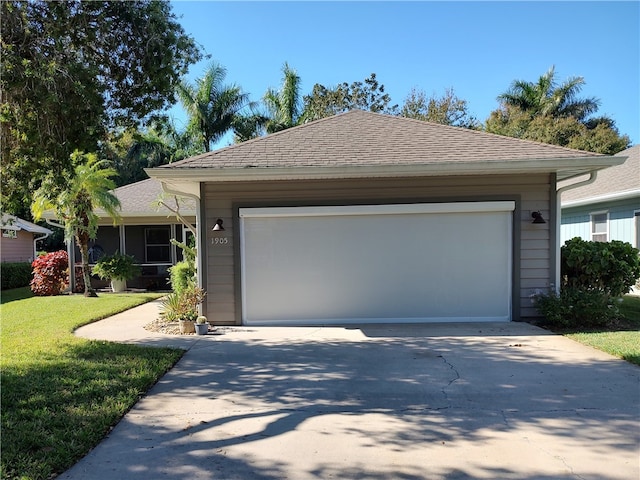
x=249, y=126
x=283, y=105
x=89, y=187
x=212, y=107
x=546, y=97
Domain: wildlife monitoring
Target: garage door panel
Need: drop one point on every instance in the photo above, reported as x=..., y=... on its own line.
x=335, y=267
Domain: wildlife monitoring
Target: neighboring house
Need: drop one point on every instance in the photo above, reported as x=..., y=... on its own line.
x=19, y=237
x=607, y=209
x=363, y=217
x=144, y=231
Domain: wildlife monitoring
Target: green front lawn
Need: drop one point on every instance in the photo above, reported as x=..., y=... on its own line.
x=61, y=394
x=622, y=341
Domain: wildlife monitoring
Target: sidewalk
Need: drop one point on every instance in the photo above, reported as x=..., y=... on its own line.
x=128, y=327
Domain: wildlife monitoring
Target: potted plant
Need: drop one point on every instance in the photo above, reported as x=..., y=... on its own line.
x=182, y=306
x=117, y=268
x=202, y=327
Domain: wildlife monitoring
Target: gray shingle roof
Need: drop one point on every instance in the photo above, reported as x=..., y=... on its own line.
x=359, y=138
x=137, y=200
x=612, y=180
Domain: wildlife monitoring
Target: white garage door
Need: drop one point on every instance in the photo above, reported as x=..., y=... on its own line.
x=377, y=263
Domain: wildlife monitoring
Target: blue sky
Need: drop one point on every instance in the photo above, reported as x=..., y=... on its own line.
x=476, y=48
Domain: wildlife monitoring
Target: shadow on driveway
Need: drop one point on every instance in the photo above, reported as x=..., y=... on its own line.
x=381, y=402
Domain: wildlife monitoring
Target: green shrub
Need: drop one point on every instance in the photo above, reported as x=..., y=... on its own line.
x=610, y=267
x=577, y=308
x=182, y=305
x=15, y=275
x=594, y=276
x=117, y=266
x=182, y=275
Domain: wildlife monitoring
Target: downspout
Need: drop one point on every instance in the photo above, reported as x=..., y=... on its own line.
x=70, y=254
x=593, y=174
x=199, y=244
x=35, y=247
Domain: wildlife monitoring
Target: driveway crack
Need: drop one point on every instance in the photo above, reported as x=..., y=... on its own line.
x=455, y=377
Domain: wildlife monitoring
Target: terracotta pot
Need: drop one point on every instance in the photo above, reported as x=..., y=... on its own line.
x=187, y=326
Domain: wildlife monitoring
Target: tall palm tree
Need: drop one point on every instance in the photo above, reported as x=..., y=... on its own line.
x=248, y=126
x=89, y=187
x=212, y=107
x=546, y=97
x=283, y=105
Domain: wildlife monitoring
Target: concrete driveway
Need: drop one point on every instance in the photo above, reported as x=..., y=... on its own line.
x=507, y=401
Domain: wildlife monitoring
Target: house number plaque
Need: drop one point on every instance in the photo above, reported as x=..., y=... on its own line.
x=219, y=241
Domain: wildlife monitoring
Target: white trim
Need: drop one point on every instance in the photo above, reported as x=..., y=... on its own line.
x=386, y=209
x=243, y=271
x=181, y=177
x=636, y=227
x=603, y=198
x=360, y=321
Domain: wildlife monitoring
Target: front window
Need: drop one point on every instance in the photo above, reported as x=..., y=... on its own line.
x=157, y=244
x=600, y=227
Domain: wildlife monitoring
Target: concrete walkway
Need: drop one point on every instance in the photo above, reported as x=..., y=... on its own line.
x=507, y=401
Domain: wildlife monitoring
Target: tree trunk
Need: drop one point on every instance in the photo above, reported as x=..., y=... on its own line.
x=83, y=243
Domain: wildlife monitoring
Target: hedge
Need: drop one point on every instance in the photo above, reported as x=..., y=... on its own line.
x=15, y=274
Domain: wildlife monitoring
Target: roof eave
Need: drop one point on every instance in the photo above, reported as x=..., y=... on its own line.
x=611, y=197
x=564, y=167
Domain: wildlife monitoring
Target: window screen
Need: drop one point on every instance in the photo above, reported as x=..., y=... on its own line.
x=157, y=245
x=600, y=227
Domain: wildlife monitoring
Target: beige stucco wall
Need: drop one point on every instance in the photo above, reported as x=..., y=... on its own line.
x=532, y=252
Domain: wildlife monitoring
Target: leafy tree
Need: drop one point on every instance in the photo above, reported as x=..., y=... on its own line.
x=600, y=135
x=212, y=106
x=446, y=110
x=283, y=105
x=323, y=102
x=88, y=188
x=596, y=135
x=367, y=95
x=133, y=150
x=547, y=112
x=72, y=70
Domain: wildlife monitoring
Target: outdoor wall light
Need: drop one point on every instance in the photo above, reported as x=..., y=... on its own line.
x=537, y=217
x=219, y=228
